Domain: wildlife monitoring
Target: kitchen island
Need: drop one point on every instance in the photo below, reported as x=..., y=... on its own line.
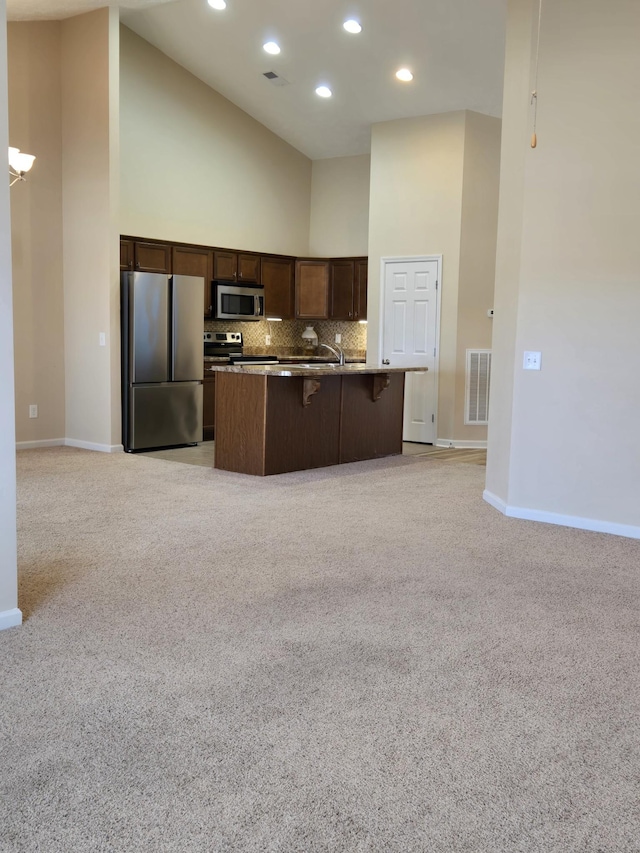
x=271, y=419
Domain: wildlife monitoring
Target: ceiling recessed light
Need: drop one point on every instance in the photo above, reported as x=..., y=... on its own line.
x=352, y=26
x=405, y=75
x=217, y=4
x=323, y=91
x=271, y=47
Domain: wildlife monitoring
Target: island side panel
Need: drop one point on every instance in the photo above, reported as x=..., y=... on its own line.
x=301, y=437
x=371, y=429
x=240, y=423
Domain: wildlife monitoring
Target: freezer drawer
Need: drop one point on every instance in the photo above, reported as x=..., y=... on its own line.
x=163, y=415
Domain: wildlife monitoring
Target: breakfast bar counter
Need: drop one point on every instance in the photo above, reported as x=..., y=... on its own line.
x=271, y=419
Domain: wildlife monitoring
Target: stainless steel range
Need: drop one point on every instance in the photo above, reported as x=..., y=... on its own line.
x=219, y=345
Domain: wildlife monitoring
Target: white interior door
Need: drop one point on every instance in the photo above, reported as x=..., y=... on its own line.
x=409, y=338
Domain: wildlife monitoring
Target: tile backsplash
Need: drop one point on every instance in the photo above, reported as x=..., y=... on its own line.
x=287, y=334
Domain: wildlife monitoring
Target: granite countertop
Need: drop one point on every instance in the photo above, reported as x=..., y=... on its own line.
x=305, y=359
x=308, y=369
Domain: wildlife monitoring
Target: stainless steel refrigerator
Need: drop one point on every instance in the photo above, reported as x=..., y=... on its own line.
x=162, y=360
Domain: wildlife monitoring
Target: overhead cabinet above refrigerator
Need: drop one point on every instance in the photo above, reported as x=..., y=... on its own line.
x=161, y=360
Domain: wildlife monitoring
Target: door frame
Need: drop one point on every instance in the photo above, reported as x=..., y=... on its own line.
x=384, y=262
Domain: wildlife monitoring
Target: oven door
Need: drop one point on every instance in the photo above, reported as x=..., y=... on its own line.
x=234, y=302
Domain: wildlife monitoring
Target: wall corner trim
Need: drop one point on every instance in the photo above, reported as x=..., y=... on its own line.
x=594, y=525
x=10, y=618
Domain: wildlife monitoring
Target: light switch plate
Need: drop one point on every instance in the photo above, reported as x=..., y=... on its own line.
x=532, y=360
x=338, y=338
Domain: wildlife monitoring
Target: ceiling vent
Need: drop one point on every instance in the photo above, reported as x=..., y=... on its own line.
x=272, y=77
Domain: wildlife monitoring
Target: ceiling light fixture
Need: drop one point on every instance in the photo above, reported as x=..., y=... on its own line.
x=271, y=47
x=324, y=91
x=19, y=165
x=352, y=26
x=219, y=5
x=405, y=75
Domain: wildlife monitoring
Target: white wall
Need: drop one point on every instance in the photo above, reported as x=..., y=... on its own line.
x=340, y=207
x=9, y=613
x=573, y=273
x=196, y=168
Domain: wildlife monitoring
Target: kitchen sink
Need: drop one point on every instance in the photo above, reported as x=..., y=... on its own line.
x=315, y=366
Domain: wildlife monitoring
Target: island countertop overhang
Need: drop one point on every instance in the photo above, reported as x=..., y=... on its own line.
x=312, y=370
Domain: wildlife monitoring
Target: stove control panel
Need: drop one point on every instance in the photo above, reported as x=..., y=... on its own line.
x=223, y=338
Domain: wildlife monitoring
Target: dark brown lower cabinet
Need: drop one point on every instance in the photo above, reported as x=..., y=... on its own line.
x=208, y=406
x=274, y=424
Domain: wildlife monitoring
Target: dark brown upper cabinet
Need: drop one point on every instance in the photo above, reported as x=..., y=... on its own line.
x=126, y=254
x=312, y=289
x=152, y=257
x=348, y=289
x=191, y=260
x=277, y=278
x=361, y=273
x=234, y=266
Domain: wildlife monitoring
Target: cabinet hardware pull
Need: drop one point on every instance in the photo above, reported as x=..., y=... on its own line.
x=386, y=361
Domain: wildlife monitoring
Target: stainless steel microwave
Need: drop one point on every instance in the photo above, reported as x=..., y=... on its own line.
x=238, y=301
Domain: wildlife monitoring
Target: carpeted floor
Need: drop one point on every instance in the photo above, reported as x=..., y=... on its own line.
x=360, y=658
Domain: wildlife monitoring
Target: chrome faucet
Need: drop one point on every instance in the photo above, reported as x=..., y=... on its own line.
x=339, y=353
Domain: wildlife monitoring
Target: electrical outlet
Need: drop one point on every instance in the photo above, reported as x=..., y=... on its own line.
x=532, y=360
x=33, y=411
x=267, y=340
x=338, y=338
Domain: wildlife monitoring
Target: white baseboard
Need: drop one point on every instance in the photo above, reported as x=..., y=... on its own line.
x=594, y=524
x=89, y=445
x=47, y=442
x=10, y=618
x=466, y=445
x=70, y=442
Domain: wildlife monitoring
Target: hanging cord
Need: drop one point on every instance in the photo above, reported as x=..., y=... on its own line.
x=534, y=93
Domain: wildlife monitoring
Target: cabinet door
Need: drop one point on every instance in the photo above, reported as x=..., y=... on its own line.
x=126, y=254
x=342, y=290
x=360, y=296
x=312, y=290
x=225, y=266
x=188, y=260
x=153, y=257
x=249, y=268
x=277, y=278
x=209, y=406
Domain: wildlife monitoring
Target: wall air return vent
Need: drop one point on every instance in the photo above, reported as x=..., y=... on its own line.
x=275, y=79
x=478, y=380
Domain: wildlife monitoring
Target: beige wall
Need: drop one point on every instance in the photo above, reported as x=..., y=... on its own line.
x=433, y=192
x=196, y=168
x=90, y=246
x=481, y=179
x=9, y=613
x=340, y=206
x=36, y=229
x=575, y=273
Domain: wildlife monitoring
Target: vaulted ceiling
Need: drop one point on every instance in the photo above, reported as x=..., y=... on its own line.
x=455, y=49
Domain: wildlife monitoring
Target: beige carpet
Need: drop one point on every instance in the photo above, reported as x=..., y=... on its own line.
x=362, y=658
